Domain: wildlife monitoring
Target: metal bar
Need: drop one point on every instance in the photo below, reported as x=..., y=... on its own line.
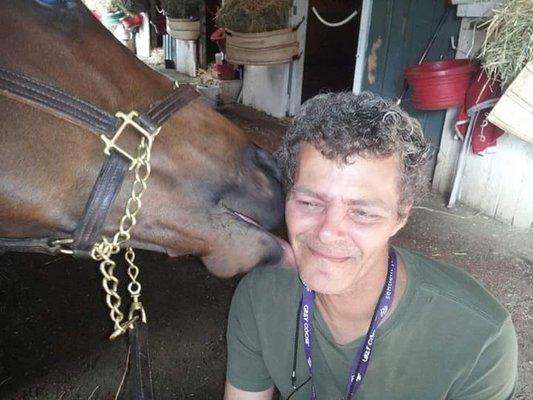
x=426, y=50
x=461, y=162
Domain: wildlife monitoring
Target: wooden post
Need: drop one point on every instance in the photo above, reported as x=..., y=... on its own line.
x=202, y=40
x=142, y=37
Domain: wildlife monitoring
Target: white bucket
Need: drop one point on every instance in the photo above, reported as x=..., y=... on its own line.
x=182, y=28
x=263, y=48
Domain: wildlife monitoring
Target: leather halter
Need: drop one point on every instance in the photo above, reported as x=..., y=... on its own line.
x=55, y=101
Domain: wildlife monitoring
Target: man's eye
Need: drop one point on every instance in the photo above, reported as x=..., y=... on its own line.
x=362, y=214
x=309, y=204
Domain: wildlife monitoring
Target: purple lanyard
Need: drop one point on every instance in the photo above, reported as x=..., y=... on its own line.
x=362, y=356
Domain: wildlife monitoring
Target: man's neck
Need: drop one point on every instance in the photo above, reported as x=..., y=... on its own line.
x=348, y=315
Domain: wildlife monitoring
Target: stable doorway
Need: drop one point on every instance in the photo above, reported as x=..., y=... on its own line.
x=330, y=52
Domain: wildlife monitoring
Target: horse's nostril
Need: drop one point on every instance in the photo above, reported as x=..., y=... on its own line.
x=264, y=160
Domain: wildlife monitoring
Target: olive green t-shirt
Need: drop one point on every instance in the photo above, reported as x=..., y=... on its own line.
x=448, y=338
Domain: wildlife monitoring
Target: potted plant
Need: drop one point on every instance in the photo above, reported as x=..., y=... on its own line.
x=120, y=17
x=109, y=10
x=506, y=56
x=182, y=18
x=113, y=11
x=257, y=31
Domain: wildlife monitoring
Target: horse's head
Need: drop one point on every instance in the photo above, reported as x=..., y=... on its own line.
x=212, y=193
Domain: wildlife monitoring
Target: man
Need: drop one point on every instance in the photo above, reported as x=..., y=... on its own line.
x=359, y=319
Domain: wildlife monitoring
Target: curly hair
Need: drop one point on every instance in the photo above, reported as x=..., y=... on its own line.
x=341, y=125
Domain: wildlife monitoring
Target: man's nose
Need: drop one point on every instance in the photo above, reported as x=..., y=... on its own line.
x=331, y=229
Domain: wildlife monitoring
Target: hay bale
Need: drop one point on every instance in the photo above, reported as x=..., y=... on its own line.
x=252, y=16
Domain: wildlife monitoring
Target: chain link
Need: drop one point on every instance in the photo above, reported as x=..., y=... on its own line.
x=105, y=249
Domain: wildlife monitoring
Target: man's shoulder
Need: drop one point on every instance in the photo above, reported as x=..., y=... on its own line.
x=271, y=277
x=454, y=286
x=270, y=285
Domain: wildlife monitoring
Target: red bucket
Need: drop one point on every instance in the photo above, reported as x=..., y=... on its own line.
x=438, y=85
x=132, y=21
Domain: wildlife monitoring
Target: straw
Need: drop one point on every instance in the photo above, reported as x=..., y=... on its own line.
x=181, y=8
x=508, y=44
x=253, y=16
x=127, y=6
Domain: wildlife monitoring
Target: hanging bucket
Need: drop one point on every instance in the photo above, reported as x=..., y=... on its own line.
x=132, y=21
x=438, y=85
x=183, y=28
x=263, y=48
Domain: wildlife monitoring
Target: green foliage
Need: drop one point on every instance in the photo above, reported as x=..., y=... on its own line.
x=508, y=44
x=135, y=6
x=127, y=6
x=182, y=8
x=254, y=15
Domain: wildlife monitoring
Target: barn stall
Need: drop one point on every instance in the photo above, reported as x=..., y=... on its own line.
x=55, y=325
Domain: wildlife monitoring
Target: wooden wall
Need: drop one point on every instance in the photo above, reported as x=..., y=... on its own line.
x=501, y=184
x=399, y=32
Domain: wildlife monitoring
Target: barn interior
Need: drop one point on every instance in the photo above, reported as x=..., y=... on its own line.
x=54, y=323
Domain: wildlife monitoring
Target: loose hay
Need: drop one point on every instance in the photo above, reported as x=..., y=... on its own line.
x=508, y=45
x=254, y=16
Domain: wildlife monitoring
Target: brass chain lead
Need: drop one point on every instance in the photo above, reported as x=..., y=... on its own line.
x=104, y=250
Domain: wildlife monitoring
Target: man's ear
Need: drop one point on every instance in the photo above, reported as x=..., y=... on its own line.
x=403, y=216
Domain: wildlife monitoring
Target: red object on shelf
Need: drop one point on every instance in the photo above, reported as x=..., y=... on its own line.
x=438, y=85
x=132, y=21
x=223, y=72
x=219, y=37
x=159, y=22
x=96, y=14
x=479, y=100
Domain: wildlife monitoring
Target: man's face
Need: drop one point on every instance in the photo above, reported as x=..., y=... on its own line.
x=340, y=218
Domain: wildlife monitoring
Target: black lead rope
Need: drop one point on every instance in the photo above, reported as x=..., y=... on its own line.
x=140, y=372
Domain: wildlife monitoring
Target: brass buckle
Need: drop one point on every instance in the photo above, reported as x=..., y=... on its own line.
x=62, y=245
x=127, y=119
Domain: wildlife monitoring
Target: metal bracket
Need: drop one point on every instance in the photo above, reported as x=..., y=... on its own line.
x=62, y=245
x=127, y=120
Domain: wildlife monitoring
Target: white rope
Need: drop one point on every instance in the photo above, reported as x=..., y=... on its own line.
x=333, y=24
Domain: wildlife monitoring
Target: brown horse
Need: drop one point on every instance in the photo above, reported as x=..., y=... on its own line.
x=211, y=192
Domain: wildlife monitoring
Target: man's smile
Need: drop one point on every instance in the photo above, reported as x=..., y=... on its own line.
x=328, y=257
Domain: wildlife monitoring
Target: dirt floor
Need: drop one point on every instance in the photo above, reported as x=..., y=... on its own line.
x=53, y=322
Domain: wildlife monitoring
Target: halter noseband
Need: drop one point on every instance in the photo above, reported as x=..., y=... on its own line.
x=108, y=127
